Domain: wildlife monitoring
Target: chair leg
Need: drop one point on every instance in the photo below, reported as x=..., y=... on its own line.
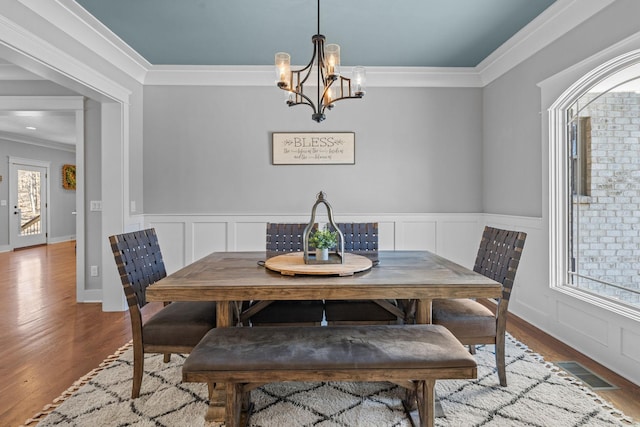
x=500, y=362
x=138, y=370
x=167, y=357
x=472, y=349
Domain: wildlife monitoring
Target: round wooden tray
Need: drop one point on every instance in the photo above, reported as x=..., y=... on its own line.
x=293, y=263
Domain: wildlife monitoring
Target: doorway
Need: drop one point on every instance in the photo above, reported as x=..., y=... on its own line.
x=55, y=108
x=28, y=199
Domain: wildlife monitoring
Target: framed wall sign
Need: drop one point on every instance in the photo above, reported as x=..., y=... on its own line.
x=313, y=148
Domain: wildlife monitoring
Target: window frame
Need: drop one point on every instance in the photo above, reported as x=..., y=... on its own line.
x=559, y=197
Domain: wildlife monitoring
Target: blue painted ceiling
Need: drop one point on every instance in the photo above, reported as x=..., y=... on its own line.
x=404, y=33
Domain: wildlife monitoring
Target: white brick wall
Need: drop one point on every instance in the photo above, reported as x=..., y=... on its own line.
x=609, y=219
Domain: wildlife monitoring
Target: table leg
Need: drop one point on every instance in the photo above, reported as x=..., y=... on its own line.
x=217, y=392
x=224, y=314
x=423, y=312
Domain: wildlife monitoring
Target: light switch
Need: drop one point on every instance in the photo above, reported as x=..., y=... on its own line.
x=3, y=203
x=95, y=205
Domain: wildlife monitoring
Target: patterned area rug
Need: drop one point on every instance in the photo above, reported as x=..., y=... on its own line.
x=539, y=394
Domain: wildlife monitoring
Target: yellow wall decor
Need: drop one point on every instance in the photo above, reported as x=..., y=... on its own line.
x=69, y=177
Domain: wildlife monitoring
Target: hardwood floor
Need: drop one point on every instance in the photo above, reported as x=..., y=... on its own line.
x=49, y=340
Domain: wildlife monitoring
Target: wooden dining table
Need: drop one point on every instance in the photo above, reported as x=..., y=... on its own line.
x=232, y=277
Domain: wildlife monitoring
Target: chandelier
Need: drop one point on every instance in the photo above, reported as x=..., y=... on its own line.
x=332, y=86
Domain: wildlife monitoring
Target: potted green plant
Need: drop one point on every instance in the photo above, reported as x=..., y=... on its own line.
x=323, y=240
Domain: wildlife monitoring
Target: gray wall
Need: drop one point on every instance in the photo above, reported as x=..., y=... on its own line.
x=513, y=184
x=207, y=150
x=61, y=202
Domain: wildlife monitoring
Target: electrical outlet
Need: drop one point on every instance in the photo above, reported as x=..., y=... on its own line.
x=94, y=270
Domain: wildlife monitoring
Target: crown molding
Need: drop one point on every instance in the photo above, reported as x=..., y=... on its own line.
x=423, y=77
x=561, y=17
x=74, y=20
x=261, y=75
x=210, y=75
x=557, y=20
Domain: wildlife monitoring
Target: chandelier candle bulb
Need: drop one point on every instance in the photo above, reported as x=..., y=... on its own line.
x=283, y=69
x=332, y=56
x=359, y=80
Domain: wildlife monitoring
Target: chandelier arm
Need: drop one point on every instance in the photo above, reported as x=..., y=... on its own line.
x=301, y=81
x=309, y=101
x=308, y=67
x=342, y=91
x=318, y=48
x=327, y=86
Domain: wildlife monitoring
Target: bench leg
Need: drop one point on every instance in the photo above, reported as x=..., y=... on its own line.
x=216, y=411
x=427, y=402
x=234, y=405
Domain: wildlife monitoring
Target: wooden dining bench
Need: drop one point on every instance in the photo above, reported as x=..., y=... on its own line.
x=412, y=356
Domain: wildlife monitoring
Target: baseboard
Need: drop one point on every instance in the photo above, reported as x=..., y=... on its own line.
x=61, y=239
x=90, y=295
x=5, y=248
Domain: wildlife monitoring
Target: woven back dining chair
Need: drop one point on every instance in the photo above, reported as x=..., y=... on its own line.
x=177, y=327
x=469, y=320
x=282, y=238
x=362, y=239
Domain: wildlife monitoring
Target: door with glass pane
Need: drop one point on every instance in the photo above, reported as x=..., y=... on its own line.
x=28, y=204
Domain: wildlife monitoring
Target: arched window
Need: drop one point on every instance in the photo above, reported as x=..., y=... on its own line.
x=595, y=185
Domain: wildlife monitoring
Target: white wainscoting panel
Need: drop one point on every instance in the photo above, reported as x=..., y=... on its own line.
x=211, y=237
x=583, y=323
x=630, y=345
x=173, y=239
x=250, y=236
x=186, y=238
x=386, y=235
x=458, y=241
x=418, y=235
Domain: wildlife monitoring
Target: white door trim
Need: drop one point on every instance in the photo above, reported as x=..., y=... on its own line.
x=18, y=161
